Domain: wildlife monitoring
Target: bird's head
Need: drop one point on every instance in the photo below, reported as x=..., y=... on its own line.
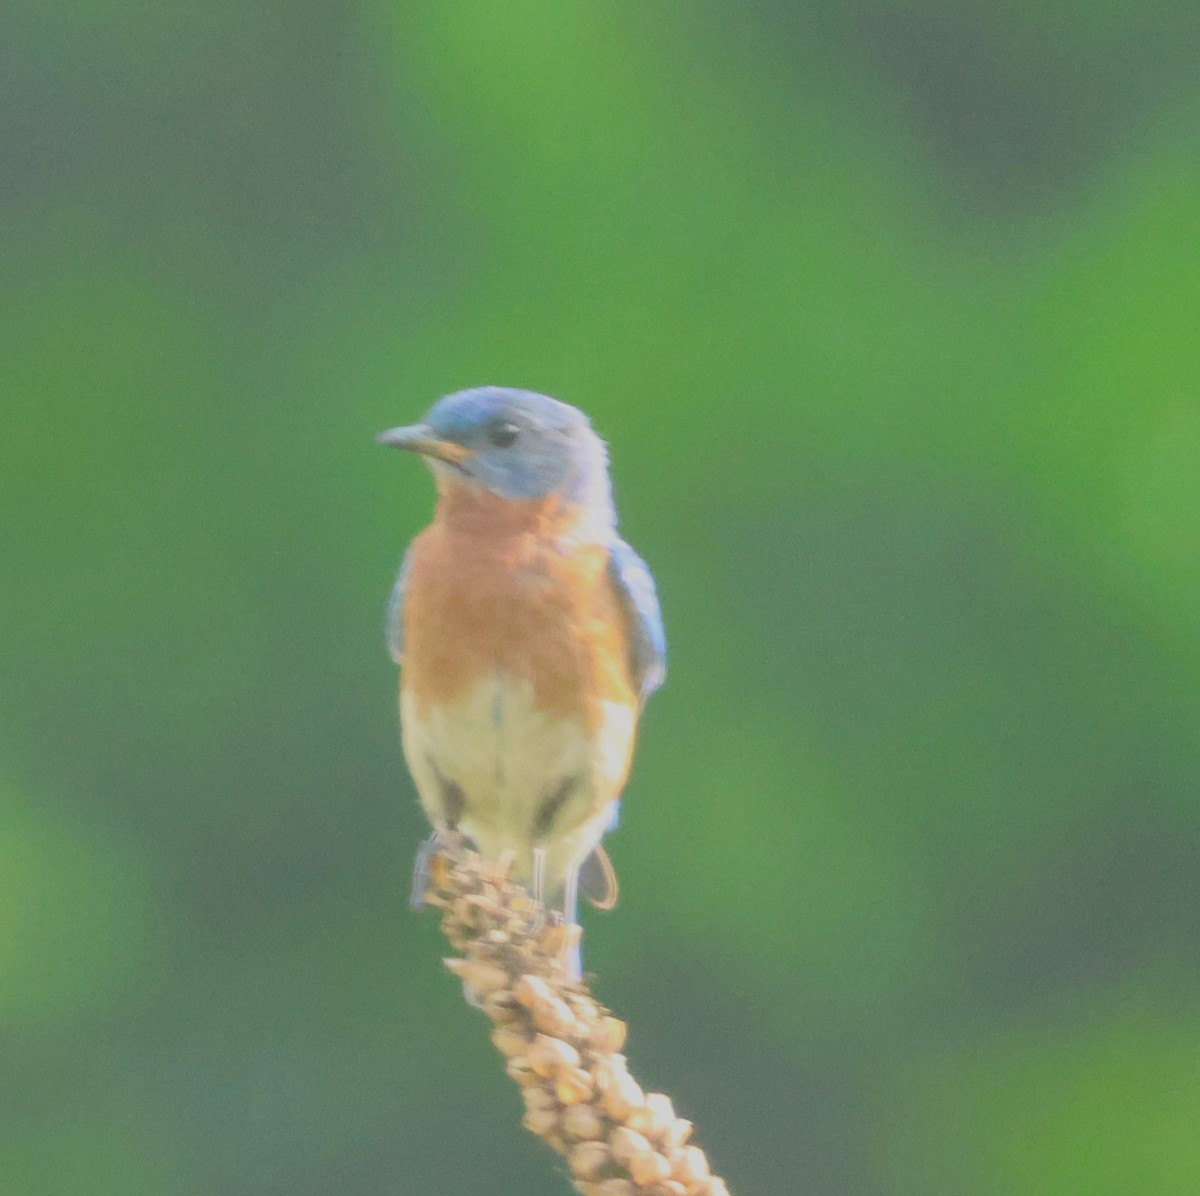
x=514, y=443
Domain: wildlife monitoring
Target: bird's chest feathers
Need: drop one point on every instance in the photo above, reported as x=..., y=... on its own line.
x=515, y=626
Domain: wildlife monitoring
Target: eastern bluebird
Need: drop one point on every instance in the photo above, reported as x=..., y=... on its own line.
x=530, y=636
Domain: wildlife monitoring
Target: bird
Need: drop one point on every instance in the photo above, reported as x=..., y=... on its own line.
x=529, y=636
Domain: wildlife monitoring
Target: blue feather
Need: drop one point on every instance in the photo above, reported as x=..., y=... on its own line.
x=648, y=640
x=395, y=609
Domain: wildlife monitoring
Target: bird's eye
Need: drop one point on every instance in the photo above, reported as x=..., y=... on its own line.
x=502, y=433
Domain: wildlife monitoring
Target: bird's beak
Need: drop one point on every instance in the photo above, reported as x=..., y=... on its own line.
x=420, y=438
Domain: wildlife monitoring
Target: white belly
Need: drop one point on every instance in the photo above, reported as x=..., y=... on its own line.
x=525, y=778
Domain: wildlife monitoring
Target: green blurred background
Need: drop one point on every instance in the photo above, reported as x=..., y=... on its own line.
x=890, y=314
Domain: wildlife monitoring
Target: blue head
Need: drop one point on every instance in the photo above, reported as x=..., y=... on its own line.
x=514, y=443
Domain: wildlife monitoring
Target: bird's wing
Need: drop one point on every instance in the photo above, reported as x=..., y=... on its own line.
x=395, y=609
x=647, y=639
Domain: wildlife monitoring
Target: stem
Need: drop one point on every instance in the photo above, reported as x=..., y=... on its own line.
x=562, y=1046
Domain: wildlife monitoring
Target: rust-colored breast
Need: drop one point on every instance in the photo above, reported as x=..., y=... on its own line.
x=504, y=594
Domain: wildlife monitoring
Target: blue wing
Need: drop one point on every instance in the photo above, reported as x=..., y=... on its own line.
x=647, y=639
x=395, y=609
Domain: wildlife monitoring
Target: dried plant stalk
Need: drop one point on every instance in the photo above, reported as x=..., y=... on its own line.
x=561, y=1045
